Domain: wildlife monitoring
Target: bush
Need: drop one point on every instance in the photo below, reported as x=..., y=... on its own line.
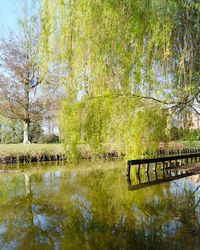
x=35, y=132
x=49, y=139
x=184, y=134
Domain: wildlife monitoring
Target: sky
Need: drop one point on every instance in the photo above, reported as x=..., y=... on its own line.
x=9, y=10
x=9, y=14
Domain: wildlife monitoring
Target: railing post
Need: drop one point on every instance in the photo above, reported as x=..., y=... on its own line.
x=166, y=162
x=139, y=179
x=128, y=168
x=138, y=171
x=147, y=170
x=155, y=167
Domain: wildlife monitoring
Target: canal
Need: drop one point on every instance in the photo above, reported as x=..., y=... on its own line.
x=90, y=205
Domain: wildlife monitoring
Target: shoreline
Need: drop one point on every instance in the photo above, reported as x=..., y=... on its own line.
x=20, y=153
x=27, y=158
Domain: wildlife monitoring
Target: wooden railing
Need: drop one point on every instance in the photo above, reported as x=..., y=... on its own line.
x=168, y=159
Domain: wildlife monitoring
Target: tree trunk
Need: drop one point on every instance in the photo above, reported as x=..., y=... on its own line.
x=26, y=133
x=27, y=117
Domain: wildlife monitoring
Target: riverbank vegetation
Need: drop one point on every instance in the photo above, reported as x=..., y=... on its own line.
x=12, y=153
x=20, y=149
x=99, y=73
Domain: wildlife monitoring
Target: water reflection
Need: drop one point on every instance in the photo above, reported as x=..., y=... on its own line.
x=154, y=179
x=88, y=208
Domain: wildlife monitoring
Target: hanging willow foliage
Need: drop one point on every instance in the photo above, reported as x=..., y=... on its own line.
x=116, y=58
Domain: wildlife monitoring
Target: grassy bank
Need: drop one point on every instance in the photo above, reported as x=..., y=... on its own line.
x=19, y=149
x=11, y=153
x=184, y=144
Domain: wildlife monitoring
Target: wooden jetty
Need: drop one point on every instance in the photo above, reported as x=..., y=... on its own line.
x=166, y=160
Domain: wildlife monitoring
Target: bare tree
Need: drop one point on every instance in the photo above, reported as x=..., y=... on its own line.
x=19, y=78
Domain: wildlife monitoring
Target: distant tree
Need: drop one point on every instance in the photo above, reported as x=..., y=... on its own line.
x=19, y=74
x=19, y=79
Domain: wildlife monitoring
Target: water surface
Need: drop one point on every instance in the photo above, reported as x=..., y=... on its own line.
x=90, y=206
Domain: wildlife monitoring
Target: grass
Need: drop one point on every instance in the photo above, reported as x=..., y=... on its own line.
x=184, y=144
x=31, y=149
x=54, y=149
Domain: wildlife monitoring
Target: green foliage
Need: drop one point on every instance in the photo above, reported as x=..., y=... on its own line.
x=120, y=121
x=110, y=54
x=148, y=129
x=35, y=132
x=49, y=139
x=110, y=42
x=70, y=126
x=10, y=131
x=184, y=134
x=175, y=133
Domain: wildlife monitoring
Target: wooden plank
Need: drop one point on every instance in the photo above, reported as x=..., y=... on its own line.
x=162, y=159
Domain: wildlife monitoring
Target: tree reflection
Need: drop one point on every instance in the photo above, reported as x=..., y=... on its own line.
x=94, y=210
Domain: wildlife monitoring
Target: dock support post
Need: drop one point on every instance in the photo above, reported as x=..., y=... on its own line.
x=139, y=179
x=166, y=162
x=148, y=178
x=138, y=171
x=147, y=169
x=155, y=167
x=156, y=175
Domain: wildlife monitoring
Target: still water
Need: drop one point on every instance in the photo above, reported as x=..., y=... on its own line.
x=91, y=206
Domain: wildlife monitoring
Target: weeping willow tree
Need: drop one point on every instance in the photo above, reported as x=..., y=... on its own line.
x=122, y=64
